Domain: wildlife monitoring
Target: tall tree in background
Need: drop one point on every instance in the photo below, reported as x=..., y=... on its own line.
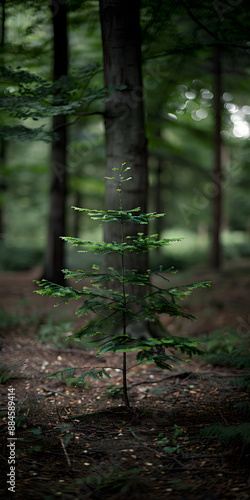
x=124, y=115
x=2, y=142
x=178, y=42
x=54, y=255
x=217, y=174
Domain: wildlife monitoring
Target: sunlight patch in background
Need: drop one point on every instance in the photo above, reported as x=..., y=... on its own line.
x=241, y=127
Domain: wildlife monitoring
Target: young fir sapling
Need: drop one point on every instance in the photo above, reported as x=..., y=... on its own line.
x=114, y=306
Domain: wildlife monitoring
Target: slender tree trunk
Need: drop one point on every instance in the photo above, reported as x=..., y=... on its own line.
x=217, y=174
x=3, y=24
x=3, y=186
x=76, y=214
x=3, y=183
x=124, y=115
x=158, y=201
x=54, y=257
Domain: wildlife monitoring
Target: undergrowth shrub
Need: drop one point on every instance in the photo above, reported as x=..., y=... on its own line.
x=226, y=343
x=18, y=258
x=13, y=318
x=8, y=319
x=115, y=308
x=227, y=347
x=223, y=433
x=52, y=332
x=6, y=373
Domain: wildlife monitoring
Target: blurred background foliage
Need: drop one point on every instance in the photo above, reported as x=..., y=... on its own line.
x=177, y=53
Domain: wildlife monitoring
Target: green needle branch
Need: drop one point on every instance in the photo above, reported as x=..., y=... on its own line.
x=114, y=307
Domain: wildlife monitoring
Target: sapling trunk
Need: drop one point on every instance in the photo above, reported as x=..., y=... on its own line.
x=124, y=369
x=124, y=381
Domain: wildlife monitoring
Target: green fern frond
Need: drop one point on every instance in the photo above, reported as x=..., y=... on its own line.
x=183, y=291
x=183, y=344
x=229, y=433
x=239, y=360
x=118, y=343
x=70, y=372
x=120, y=216
x=242, y=383
x=153, y=356
x=96, y=374
x=53, y=290
x=143, y=243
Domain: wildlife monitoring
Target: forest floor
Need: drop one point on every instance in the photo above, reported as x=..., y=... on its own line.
x=82, y=443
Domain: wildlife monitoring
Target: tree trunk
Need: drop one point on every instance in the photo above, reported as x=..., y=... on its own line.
x=217, y=174
x=125, y=132
x=3, y=24
x=54, y=256
x=124, y=116
x=76, y=215
x=3, y=184
x=158, y=201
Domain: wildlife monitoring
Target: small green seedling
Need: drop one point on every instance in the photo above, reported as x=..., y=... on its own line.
x=178, y=432
x=115, y=308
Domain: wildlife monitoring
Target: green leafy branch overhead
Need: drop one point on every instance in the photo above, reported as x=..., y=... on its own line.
x=27, y=96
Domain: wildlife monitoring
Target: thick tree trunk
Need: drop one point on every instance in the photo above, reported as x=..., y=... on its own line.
x=217, y=174
x=124, y=116
x=125, y=132
x=54, y=257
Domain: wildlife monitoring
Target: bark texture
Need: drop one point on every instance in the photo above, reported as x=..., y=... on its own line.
x=124, y=115
x=3, y=183
x=125, y=131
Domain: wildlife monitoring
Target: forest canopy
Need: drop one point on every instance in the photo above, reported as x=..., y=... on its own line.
x=194, y=66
